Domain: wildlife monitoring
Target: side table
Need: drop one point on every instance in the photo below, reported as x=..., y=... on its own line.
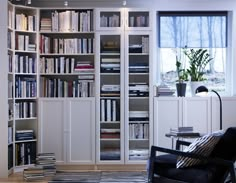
x=182, y=135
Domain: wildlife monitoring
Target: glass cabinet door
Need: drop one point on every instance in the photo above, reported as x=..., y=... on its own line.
x=110, y=92
x=137, y=91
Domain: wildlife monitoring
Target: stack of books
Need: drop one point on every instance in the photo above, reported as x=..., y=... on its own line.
x=45, y=166
x=48, y=162
x=24, y=135
x=184, y=131
x=163, y=90
x=33, y=173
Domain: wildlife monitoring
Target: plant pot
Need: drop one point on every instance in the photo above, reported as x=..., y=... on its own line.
x=194, y=85
x=181, y=89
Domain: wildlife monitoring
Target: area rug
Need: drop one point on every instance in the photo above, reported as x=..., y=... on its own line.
x=100, y=177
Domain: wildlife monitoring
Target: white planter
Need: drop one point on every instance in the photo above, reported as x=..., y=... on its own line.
x=194, y=85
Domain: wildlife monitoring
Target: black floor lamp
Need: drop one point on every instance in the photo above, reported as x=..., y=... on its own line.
x=203, y=89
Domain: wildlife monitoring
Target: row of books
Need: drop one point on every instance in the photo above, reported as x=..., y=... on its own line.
x=110, y=110
x=138, y=21
x=108, y=133
x=10, y=156
x=10, y=41
x=10, y=134
x=10, y=111
x=66, y=46
x=23, y=43
x=65, y=65
x=25, y=153
x=25, y=87
x=110, y=46
x=110, y=21
x=11, y=18
x=139, y=116
x=109, y=153
x=25, y=110
x=10, y=58
x=62, y=88
x=25, y=22
x=10, y=89
x=68, y=21
x=138, y=131
x=25, y=64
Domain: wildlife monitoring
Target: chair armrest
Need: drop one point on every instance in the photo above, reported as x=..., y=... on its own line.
x=215, y=161
x=181, y=142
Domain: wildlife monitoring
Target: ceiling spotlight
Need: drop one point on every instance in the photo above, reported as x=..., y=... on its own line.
x=66, y=3
x=124, y=3
x=29, y=2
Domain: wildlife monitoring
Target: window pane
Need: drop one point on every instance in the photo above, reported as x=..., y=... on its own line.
x=177, y=30
x=193, y=32
x=215, y=73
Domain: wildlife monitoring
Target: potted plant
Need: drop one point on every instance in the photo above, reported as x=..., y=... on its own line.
x=198, y=60
x=182, y=77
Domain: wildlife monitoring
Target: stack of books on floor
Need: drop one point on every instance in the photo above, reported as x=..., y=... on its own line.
x=45, y=166
x=184, y=131
x=48, y=162
x=33, y=173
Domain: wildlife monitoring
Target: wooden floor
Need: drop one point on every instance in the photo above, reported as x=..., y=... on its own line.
x=18, y=177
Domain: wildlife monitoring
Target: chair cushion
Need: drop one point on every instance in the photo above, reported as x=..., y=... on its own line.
x=201, y=146
x=225, y=149
x=165, y=166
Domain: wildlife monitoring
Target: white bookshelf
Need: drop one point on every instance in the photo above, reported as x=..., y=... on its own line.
x=124, y=59
x=22, y=86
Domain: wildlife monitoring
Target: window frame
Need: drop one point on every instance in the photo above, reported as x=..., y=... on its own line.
x=230, y=88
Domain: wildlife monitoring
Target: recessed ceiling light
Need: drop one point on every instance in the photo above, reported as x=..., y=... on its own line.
x=66, y=3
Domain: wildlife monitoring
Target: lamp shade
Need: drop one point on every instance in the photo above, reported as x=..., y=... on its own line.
x=201, y=89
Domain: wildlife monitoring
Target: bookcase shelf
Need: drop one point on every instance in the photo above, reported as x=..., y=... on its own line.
x=138, y=121
x=124, y=62
x=81, y=60
x=22, y=82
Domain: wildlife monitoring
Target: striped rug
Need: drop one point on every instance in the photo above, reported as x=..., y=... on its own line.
x=100, y=177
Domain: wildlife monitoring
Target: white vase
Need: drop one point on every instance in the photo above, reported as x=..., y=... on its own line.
x=194, y=85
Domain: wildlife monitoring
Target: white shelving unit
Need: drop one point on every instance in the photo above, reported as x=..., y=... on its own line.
x=138, y=119
x=110, y=100
x=124, y=59
x=67, y=84
x=22, y=86
x=72, y=70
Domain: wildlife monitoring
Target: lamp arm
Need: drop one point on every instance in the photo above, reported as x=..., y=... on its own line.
x=220, y=107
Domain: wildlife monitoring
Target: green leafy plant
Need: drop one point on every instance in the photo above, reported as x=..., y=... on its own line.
x=198, y=60
x=181, y=72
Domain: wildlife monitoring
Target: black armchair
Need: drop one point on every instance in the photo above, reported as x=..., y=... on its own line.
x=215, y=169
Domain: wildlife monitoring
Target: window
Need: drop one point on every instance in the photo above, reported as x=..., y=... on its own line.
x=195, y=30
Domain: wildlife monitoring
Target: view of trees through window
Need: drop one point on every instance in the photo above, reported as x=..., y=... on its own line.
x=205, y=30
